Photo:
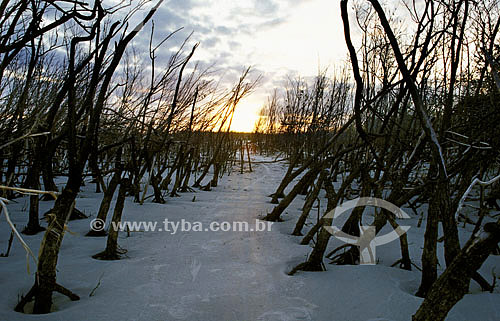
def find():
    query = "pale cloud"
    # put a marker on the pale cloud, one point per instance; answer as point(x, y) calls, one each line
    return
point(277, 37)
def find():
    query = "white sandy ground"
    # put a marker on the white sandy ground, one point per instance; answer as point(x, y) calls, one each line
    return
point(223, 275)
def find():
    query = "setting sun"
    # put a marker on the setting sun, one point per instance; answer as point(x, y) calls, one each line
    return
point(268, 43)
point(246, 115)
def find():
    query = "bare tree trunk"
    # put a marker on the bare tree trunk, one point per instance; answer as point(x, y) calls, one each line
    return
point(242, 157)
point(33, 226)
point(155, 182)
point(309, 204)
point(215, 179)
point(332, 203)
point(315, 260)
point(187, 174)
point(111, 252)
point(452, 285)
point(108, 195)
point(351, 226)
point(275, 215)
point(429, 254)
point(47, 171)
point(248, 156)
point(106, 203)
point(405, 261)
point(49, 250)
point(77, 157)
point(280, 191)
point(179, 173)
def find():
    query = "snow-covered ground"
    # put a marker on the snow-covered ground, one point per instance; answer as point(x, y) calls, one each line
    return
point(222, 275)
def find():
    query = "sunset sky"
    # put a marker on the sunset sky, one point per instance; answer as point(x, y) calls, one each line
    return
point(276, 37)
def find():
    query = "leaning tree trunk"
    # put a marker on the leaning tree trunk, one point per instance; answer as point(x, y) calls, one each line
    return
point(212, 161)
point(108, 195)
point(111, 252)
point(280, 191)
point(187, 172)
point(175, 166)
point(106, 203)
point(315, 259)
point(309, 204)
point(49, 249)
point(275, 215)
point(351, 226)
point(429, 254)
point(405, 261)
point(179, 173)
point(452, 285)
point(333, 200)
